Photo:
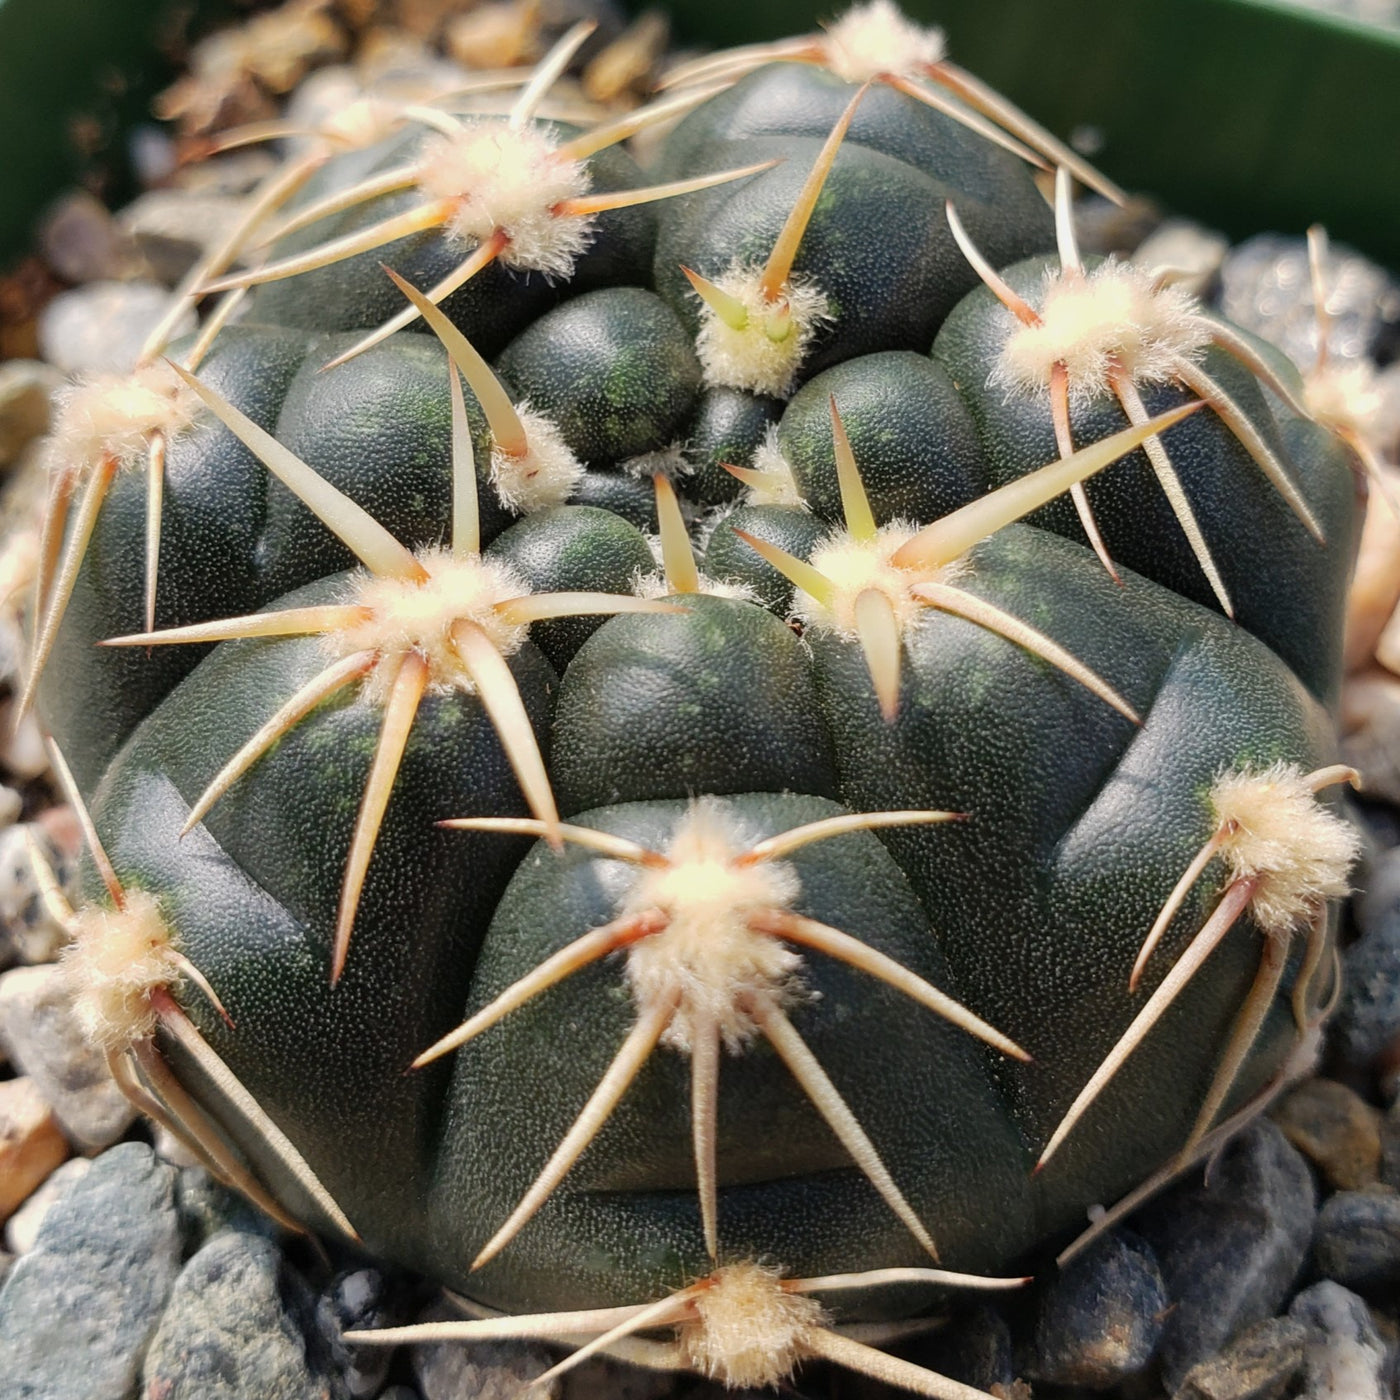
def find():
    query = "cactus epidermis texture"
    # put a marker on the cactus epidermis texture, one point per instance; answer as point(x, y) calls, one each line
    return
point(622, 780)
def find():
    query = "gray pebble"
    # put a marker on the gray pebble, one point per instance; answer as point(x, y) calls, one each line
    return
point(360, 1299)
point(1357, 1242)
point(172, 227)
point(207, 1208)
point(1267, 289)
point(22, 1228)
point(100, 328)
point(1345, 1356)
point(1261, 1364)
point(1230, 1248)
point(77, 1311)
point(26, 386)
point(1336, 1129)
point(1390, 1148)
point(34, 937)
point(487, 1371)
point(1193, 252)
point(42, 1034)
point(235, 1328)
point(600, 1378)
point(1100, 1320)
point(81, 242)
point(1368, 1018)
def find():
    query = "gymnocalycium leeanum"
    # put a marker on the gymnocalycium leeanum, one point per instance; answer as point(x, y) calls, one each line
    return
point(700, 754)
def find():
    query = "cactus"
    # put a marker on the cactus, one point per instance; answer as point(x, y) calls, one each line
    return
point(729, 822)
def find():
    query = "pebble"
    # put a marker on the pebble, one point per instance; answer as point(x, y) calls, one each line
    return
point(171, 228)
point(207, 1208)
point(26, 387)
point(36, 937)
point(41, 1032)
point(11, 805)
point(1390, 1148)
point(22, 754)
point(1265, 287)
point(1230, 1248)
point(1100, 1320)
point(491, 1371)
point(22, 1228)
point(1336, 1129)
point(100, 328)
point(1344, 1356)
point(235, 1327)
point(1261, 1364)
point(359, 1299)
point(78, 1310)
point(1368, 1018)
point(603, 1379)
point(31, 1142)
point(81, 242)
point(1357, 1242)
point(1375, 584)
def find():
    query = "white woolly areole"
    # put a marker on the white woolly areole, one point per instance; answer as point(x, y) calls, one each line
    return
point(115, 415)
point(869, 40)
point(546, 474)
point(404, 615)
point(117, 959)
point(748, 1330)
point(511, 180)
point(670, 462)
point(854, 566)
point(1344, 396)
point(707, 955)
point(1090, 322)
point(749, 357)
point(1298, 850)
point(779, 485)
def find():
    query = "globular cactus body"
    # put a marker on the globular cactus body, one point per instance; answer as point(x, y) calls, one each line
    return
point(802, 894)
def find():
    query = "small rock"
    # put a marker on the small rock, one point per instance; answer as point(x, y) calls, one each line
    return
point(1390, 1148)
point(81, 242)
point(1368, 1018)
point(1266, 287)
point(1336, 1129)
point(1099, 1321)
point(491, 1371)
point(22, 1228)
point(1374, 592)
point(11, 805)
point(361, 1299)
point(100, 328)
point(171, 228)
point(236, 1327)
point(1261, 1364)
point(78, 1310)
point(7, 1262)
point(1344, 1355)
point(399, 1392)
point(31, 1142)
point(1357, 1242)
point(207, 1208)
point(1230, 1248)
point(23, 755)
point(42, 1034)
point(25, 389)
point(36, 937)
point(234, 172)
point(170, 1148)
point(1192, 252)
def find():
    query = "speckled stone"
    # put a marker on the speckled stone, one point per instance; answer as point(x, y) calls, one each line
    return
point(491, 1371)
point(239, 1324)
point(1357, 1242)
point(1231, 1248)
point(1336, 1129)
point(1368, 1018)
point(1344, 1356)
point(1260, 1364)
point(78, 1311)
point(1100, 1320)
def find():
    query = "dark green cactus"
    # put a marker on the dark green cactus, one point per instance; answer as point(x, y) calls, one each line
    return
point(656, 815)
